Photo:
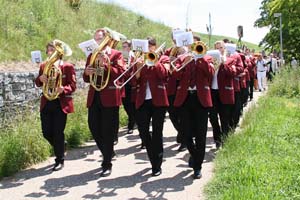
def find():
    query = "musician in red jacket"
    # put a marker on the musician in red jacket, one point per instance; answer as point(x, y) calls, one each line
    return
point(151, 103)
point(172, 84)
point(54, 113)
point(103, 105)
point(194, 100)
point(222, 93)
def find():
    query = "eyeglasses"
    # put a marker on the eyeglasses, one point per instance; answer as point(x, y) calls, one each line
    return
point(124, 46)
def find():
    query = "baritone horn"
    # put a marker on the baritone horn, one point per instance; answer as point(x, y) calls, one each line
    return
point(52, 70)
point(151, 59)
point(198, 50)
point(99, 67)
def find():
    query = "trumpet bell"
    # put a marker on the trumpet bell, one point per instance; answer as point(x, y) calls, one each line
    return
point(199, 48)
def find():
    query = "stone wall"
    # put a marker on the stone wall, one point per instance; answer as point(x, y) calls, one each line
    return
point(18, 90)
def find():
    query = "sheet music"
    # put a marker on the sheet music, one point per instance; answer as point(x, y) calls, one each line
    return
point(140, 45)
point(88, 46)
point(36, 56)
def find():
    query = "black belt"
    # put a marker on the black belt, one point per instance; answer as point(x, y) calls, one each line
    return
point(192, 91)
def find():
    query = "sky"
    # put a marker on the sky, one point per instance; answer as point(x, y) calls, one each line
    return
point(194, 14)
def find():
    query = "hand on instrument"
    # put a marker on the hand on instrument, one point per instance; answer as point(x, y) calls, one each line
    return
point(60, 89)
point(43, 78)
point(89, 70)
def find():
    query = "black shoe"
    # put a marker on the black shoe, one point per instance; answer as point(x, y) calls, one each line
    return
point(191, 162)
point(113, 154)
point(181, 148)
point(218, 145)
point(130, 131)
point(143, 146)
point(156, 172)
point(105, 172)
point(197, 174)
point(116, 142)
point(58, 166)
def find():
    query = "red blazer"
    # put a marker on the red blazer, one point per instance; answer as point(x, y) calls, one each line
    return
point(239, 69)
point(157, 78)
point(69, 84)
point(252, 67)
point(204, 75)
point(225, 77)
point(110, 96)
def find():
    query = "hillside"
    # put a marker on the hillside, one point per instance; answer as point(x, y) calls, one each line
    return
point(29, 25)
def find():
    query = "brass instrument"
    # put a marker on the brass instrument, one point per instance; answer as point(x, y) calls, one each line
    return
point(174, 51)
point(52, 70)
point(151, 59)
point(100, 70)
point(216, 56)
point(199, 49)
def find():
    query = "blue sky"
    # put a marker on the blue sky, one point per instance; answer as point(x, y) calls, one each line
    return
point(225, 15)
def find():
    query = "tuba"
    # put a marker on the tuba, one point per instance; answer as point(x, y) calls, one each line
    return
point(52, 70)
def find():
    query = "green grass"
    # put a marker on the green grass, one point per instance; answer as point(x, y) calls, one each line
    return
point(29, 25)
point(263, 160)
point(22, 143)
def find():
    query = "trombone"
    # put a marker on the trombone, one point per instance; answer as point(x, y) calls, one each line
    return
point(199, 49)
point(151, 59)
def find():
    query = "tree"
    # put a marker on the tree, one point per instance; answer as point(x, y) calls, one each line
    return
point(290, 10)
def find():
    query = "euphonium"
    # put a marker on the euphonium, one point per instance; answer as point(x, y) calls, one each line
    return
point(100, 70)
point(52, 70)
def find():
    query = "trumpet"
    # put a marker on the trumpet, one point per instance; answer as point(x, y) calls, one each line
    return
point(151, 59)
point(199, 49)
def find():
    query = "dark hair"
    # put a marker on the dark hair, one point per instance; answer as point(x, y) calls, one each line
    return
point(225, 40)
point(151, 41)
point(196, 37)
point(50, 44)
point(128, 42)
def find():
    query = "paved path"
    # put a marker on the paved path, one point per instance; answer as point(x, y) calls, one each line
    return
point(130, 179)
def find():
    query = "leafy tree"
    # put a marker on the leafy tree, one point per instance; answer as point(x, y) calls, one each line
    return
point(290, 10)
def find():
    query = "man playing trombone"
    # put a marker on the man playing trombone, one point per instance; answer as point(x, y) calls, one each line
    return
point(151, 103)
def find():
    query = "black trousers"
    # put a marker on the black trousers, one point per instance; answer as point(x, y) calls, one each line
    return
point(129, 107)
point(153, 141)
point(213, 116)
point(194, 119)
point(225, 112)
point(237, 110)
point(53, 121)
point(103, 122)
point(251, 86)
point(174, 117)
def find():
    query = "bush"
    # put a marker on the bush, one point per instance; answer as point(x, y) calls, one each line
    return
point(286, 83)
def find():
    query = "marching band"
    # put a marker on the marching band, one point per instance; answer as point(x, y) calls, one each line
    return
point(189, 82)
